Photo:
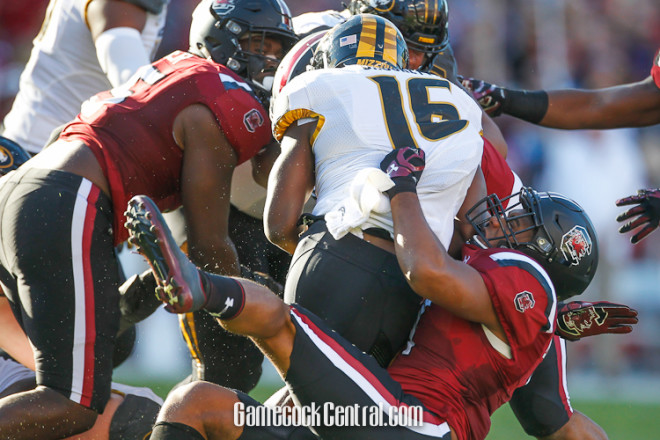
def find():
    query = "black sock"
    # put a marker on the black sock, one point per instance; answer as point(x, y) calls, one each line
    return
point(226, 296)
point(174, 431)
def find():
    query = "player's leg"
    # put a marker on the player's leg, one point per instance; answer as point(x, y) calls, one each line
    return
point(318, 364)
point(242, 306)
point(219, 356)
point(356, 287)
point(60, 228)
point(543, 407)
point(202, 410)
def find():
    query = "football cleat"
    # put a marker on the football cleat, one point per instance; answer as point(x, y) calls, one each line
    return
point(179, 284)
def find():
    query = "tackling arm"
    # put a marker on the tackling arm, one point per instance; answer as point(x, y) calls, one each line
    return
point(208, 164)
point(290, 184)
point(627, 105)
point(429, 269)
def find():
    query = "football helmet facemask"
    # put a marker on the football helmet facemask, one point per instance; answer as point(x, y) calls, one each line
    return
point(564, 240)
point(423, 23)
point(218, 27)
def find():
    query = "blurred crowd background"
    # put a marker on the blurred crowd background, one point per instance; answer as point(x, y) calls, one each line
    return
point(527, 44)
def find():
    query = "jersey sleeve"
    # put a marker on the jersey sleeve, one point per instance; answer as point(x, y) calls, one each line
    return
point(523, 297)
point(291, 105)
point(242, 117)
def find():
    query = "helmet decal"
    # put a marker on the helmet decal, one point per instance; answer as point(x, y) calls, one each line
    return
point(349, 39)
point(576, 244)
point(524, 301)
point(6, 158)
point(223, 7)
point(382, 5)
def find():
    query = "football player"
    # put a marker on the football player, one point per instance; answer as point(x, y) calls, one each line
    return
point(83, 48)
point(507, 277)
point(335, 126)
point(175, 132)
point(626, 105)
point(543, 407)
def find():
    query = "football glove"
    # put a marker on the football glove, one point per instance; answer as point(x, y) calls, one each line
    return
point(264, 279)
point(489, 96)
point(578, 319)
point(647, 212)
point(137, 299)
point(404, 166)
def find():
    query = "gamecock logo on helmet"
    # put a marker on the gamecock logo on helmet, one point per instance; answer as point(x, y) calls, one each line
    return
point(524, 301)
point(253, 120)
point(223, 7)
point(576, 244)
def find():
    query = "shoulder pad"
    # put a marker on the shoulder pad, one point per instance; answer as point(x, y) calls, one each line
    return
point(153, 6)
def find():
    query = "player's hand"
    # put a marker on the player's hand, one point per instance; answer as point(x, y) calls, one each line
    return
point(578, 319)
point(263, 279)
point(647, 213)
point(489, 96)
point(404, 166)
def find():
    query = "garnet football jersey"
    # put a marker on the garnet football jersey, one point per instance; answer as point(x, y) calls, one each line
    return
point(130, 128)
point(459, 369)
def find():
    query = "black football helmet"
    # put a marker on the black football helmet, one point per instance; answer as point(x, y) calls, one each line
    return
point(423, 23)
point(563, 242)
point(12, 155)
point(365, 39)
point(218, 26)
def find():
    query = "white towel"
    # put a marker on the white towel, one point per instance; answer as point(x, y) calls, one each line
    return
point(365, 196)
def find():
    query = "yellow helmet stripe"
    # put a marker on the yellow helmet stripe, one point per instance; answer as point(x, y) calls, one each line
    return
point(389, 49)
point(367, 45)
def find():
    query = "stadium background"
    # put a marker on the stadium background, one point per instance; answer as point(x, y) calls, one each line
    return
point(519, 43)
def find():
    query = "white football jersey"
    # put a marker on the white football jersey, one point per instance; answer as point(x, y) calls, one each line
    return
point(303, 24)
point(62, 72)
point(362, 113)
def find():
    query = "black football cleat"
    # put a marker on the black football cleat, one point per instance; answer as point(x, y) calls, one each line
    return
point(179, 283)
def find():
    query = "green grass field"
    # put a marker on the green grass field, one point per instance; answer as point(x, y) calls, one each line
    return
point(621, 421)
point(624, 421)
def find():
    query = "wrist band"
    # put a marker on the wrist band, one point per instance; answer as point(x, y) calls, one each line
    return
point(526, 105)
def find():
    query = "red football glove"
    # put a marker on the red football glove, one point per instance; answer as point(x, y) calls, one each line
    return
point(404, 166)
point(647, 210)
point(489, 96)
point(578, 319)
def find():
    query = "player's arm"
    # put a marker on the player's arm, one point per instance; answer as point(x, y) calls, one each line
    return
point(263, 162)
point(429, 269)
point(115, 26)
point(627, 105)
point(290, 185)
point(208, 164)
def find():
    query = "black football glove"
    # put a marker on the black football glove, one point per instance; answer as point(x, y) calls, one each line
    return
point(647, 210)
point(264, 279)
point(137, 299)
point(489, 96)
point(404, 166)
point(578, 319)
